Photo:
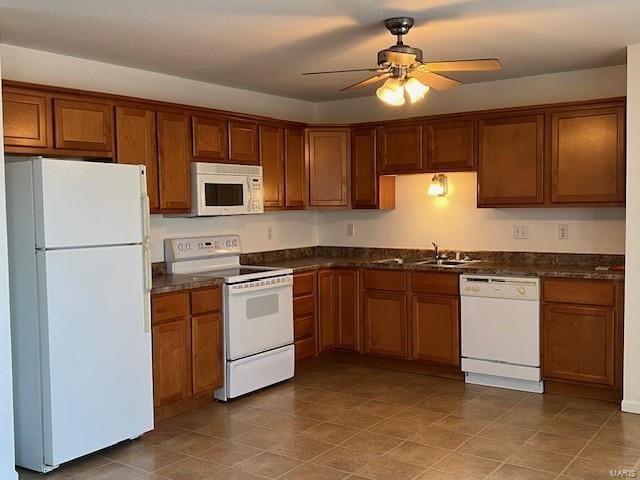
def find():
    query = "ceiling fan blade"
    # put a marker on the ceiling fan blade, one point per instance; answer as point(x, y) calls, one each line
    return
point(399, 58)
point(434, 80)
point(368, 81)
point(345, 71)
point(476, 65)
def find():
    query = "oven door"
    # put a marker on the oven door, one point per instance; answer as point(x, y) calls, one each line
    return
point(221, 194)
point(258, 316)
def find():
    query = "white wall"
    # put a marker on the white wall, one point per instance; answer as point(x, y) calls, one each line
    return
point(7, 457)
point(455, 223)
point(36, 66)
point(288, 230)
point(631, 395)
point(515, 92)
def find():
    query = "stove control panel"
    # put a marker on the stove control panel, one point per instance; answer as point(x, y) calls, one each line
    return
point(177, 249)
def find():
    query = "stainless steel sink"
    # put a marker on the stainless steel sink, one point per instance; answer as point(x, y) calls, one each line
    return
point(445, 263)
point(392, 261)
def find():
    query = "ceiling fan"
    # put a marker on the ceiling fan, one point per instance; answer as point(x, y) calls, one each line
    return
point(404, 72)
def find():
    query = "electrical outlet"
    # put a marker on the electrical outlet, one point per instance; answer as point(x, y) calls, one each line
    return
point(563, 231)
point(269, 232)
point(521, 232)
point(351, 230)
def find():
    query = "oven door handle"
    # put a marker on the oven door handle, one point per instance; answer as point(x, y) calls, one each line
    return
point(244, 288)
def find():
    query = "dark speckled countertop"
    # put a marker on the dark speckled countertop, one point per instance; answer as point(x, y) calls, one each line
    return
point(525, 264)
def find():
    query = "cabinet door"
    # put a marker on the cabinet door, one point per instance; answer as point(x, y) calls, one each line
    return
point(210, 139)
point(328, 167)
point(401, 149)
point(578, 343)
point(174, 161)
point(385, 323)
point(435, 328)
point(136, 144)
point(347, 328)
point(171, 361)
point(83, 125)
point(243, 142)
point(26, 120)
point(364, 178)
point(272, 159)
point(449, 146)
point(587, 156)
point(295, 171)
point(207, 352)
point(510, 168)
point(326, 310)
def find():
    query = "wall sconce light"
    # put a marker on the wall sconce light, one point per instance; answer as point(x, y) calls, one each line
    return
point(438, 186)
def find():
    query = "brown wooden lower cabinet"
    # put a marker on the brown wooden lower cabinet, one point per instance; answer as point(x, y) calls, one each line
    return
point(304, 314)
point(385, 323)
point(171, 361)
point(436, 328)
point(187, 340)
point(326, 310)
point(582, 342)
point(347, 318)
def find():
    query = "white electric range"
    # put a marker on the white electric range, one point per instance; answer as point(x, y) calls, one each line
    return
point(258, 311)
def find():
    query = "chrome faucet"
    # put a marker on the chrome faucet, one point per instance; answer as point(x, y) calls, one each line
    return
point(436, 251)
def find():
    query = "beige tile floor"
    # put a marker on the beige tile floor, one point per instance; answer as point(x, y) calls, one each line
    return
point(343, 421)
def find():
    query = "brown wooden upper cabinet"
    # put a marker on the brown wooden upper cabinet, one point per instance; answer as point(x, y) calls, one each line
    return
point(368, 189)
point(26, 118)
point(136, 143)
point(83, 124)
point(400, 148)
point(588, 156)
point(295, 170)
point(511, 161)
point(328, 160)
point(272, 159)
point(448, 145)
point(210, 139)
point(174, 156)
point(243, 142)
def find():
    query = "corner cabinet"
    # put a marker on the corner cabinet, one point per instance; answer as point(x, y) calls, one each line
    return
point(511, 161)
point(328, 159)
point(588, 156)
point(187, 347)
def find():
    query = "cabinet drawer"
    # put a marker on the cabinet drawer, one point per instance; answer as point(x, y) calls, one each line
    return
point(165, 307)
point(304, 306)
point(305, 348)
point(437, 283)
point(304, 284)
point(384, 280)
point(303, 327)
point(205, 301)
point(583, 292)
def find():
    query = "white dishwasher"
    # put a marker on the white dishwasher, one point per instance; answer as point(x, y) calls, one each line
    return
point(500, 319)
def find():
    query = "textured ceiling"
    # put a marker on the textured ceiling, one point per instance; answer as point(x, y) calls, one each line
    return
point(265, 45)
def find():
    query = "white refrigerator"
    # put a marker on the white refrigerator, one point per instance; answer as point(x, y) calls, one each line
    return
point(80, 315)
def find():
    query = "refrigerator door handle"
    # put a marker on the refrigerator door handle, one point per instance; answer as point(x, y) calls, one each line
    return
point(147, 288)
point(146, 219)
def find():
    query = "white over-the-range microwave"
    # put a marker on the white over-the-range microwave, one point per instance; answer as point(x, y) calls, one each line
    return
point(225, 189)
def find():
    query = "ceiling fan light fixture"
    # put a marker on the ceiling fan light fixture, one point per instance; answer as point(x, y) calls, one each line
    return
point(415, 89)
point(392, 92)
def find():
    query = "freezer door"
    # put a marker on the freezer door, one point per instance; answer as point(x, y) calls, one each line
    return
point(97, 378)
point(87, 203)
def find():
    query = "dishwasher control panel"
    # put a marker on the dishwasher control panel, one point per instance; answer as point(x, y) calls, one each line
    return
point(524, 288)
